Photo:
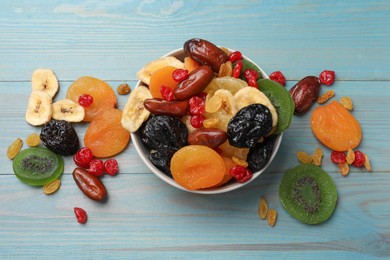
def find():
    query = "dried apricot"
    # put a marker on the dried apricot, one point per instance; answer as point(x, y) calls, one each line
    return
point(197, 167)
point(105, 135)
point(101, 92)
point(335, 127)
point(190, 64)
point(162, 77)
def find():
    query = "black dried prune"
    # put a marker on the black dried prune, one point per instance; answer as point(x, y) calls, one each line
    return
point(248, 125)
point(260, 154)
point(60, 137)
point(161, 161)
point(164, 133)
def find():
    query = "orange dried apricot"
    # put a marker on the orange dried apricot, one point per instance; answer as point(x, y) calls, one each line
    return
point(102, 93)
point(197, 167)
point(105, 135)
point(162, 77)
point(335, 127)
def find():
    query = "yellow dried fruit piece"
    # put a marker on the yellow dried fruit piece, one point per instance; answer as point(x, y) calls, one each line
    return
point(239, 161)
point(325, 97)
point(51, 187)
point(346, 102)
point(367, 163)
point(225, 50)
point(317, 156)
point(343, 168)
point(226, 69)
point(123, 89)
point(350, 156)
point(33, 140)
point(263, 208)
point(271, 217)
point(14, 148)
point(304, 158)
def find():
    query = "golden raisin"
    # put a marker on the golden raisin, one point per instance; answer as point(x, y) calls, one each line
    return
point(14, 148)
point(271, 217)
point(346, 102)
point(325, 97)
point(304, 158)
point(343, 168)
point(367, 163)
point(239, 161)
point(33, 140)
point(317, 156)
point(263, 208)
point(350, 156)
point(226, 69)
point(51, 187)
point(123, 89)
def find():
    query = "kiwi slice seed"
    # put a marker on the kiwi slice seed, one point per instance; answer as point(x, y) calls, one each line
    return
point(308, 193)
point(38, 166)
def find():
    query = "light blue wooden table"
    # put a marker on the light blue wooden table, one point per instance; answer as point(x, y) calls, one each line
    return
point(146, 218)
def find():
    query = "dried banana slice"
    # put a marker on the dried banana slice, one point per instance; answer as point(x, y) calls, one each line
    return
point(134, 113)
point(45, 80)
point(144, 73)
point(250, 95)
point(68, 110)
point(39, 108)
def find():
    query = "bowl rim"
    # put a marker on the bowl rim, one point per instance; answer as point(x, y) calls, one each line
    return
point(143, 151)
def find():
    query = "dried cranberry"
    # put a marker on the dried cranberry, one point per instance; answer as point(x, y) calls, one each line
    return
point(235, 56)
point(240, 173)
point(197, 121)
point(278, 77)
point(253, 83)
point(167, 93)
point(327, 77)
point(360, 159)
point(111, 167)
point(96, 167)
point(179, 75)
point(85, 100)
point(251, 74)
point(338, 157)
point(81, 215)
point(83, 157)
point(196, 105)
point(237, 69)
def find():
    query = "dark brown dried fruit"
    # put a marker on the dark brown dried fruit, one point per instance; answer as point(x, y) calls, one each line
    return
point(305, 93)
point(89, 184)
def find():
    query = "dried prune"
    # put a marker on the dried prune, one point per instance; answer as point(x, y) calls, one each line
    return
point(60, 137)
point(248, 125)
point(260, 154)
point(161, 161)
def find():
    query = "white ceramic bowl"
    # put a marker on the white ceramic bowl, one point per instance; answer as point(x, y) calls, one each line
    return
point(143, 151)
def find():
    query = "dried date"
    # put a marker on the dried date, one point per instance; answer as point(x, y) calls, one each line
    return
point(89, 184)
point(305, 93)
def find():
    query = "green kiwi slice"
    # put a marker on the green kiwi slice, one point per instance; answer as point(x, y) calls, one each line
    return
point(308, 193)
point(282, 101)
point(37, 166)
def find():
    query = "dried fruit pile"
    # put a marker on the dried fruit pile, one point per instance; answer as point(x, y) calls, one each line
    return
point(209, 117)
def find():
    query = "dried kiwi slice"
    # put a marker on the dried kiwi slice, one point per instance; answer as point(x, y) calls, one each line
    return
point(38, 166)
point(308, 194)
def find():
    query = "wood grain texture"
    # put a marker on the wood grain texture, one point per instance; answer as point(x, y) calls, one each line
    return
point(146, 218)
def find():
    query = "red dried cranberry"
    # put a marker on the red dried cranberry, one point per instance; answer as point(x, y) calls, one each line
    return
point(96, 167)
point(253, 83)
point(197, 121)
point(278, 77)
point(179, 75)
point(338, 157)
point(237, 69)
point(240, 173)
point(360, 159)
point(251, 74)
point(196, 105)
point(167, 93)
point(327, 77)
point(81, 215)
point(111, 167)
point(83, 157)
point(235, 56)
point(85, 100)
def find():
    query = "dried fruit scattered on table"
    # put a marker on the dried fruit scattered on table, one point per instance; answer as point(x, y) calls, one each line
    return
point(343, 168)
point(60, 137)
point(304, 157)
point(89, 184)
point(101, 92)
point(68, 110)
point(335, 127)
point(123, 89)
point(39, 108)
point(263, 208)
point(327, 77)
point(14, 148)
point(278, 77)
point(359, 159)
point(305, 93)
point(259, 155)
point(33, 140)
point(111, 167)
point(271, 217)
point(45, 80)
point(83, 157)
point(367, 163)
point(346, 102)
point(197, 167)
point(308, 194)
point(52, 187)
point(338, 157)
point(325, 97)
point(350, 156)
point(105, 135)
point(37, 166)
point(96, 167)
point(145, 72)
point(81, 215)
point(317, 156)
